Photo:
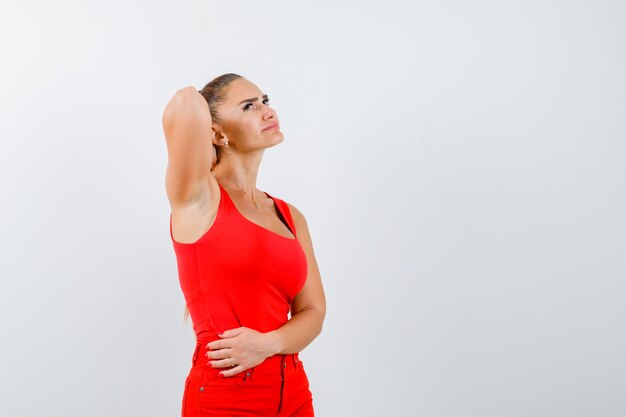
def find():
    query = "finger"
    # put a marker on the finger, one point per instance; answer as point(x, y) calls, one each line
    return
point(232, 332)
point(219, 354)
point(216, 344)
point(219, 344)
point(231, 372)
point(221, 363)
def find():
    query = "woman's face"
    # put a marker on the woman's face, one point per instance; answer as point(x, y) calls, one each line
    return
point(248, 123)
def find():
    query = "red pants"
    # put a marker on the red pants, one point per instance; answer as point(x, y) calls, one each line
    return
point(277, 387)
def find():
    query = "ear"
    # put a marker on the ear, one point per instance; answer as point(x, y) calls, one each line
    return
point(217, 135)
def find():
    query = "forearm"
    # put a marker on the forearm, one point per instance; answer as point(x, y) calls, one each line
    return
point(297, 333)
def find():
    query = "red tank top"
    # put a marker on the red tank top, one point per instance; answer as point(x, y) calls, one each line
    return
point(240, 273)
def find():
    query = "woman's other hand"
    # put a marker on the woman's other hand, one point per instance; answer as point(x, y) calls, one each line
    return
point(247, 348)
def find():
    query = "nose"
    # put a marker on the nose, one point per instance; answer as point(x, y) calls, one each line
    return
point(268, 113)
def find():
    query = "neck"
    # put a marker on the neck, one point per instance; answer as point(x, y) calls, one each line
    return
point(238, 173)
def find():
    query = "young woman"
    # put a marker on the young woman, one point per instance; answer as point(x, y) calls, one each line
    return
point(245, 258)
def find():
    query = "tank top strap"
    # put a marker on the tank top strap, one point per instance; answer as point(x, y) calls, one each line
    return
point(284, 209)
point(224, 197)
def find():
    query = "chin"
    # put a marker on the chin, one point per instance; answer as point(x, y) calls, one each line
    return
point(278, 139)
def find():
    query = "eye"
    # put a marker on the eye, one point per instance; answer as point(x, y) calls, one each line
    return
point(266, 101)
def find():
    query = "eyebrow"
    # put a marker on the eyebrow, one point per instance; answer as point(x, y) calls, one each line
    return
point(252, 100)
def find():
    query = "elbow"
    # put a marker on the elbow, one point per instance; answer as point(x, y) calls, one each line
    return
point(186, 98)
point(322, 320)
point(321, 315)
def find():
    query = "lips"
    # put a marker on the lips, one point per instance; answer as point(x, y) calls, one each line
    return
point(272, 126)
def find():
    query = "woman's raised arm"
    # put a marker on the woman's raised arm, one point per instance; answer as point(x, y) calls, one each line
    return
point(188, 133)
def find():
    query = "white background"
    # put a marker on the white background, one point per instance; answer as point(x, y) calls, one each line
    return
point(460, 165)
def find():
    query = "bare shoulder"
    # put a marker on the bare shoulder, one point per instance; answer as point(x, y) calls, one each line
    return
point(295, 212)
point(302, 231)
point(299, 220)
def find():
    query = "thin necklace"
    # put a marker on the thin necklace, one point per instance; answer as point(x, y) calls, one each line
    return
point(253, 199)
